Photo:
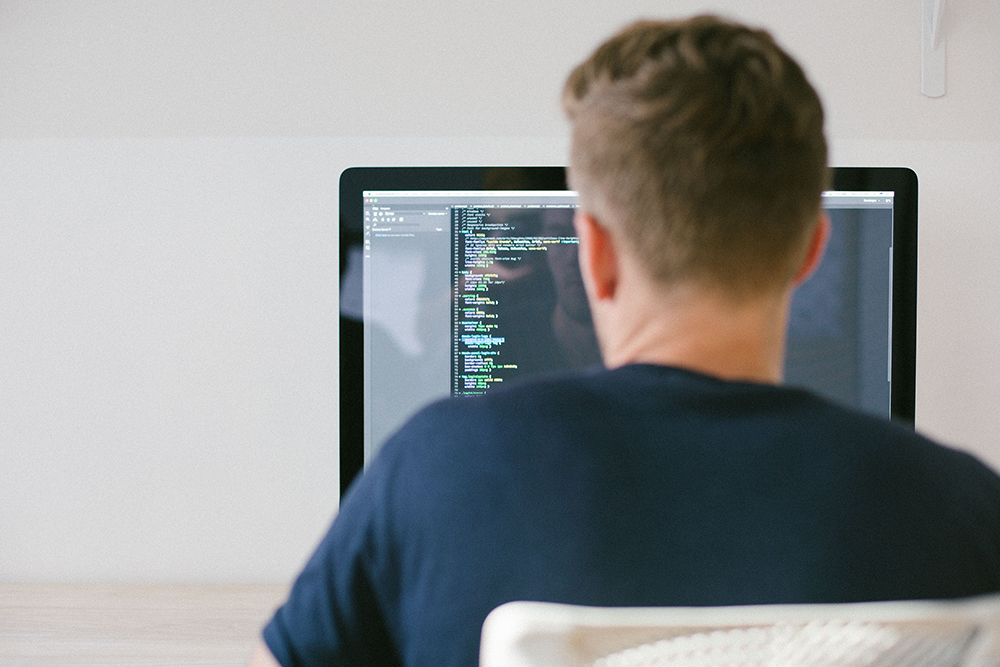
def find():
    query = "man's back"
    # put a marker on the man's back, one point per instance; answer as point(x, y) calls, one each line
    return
point(645, 485)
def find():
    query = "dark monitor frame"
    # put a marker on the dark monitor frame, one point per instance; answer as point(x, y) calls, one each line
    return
point(354, 181)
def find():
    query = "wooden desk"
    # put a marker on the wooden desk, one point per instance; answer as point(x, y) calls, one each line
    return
point(138, 625)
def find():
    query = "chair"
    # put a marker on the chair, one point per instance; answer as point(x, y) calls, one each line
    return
point(960, 633)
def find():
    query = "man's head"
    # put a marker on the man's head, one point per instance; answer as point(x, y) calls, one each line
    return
point(699, 145)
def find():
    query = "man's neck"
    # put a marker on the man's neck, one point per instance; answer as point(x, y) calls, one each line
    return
point(699, 330)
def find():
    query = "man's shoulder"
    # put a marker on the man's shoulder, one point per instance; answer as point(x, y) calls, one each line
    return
point(640, 391)
point(660, 401)
point(547, 394)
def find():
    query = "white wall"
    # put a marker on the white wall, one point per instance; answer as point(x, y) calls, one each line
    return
point(168, 394)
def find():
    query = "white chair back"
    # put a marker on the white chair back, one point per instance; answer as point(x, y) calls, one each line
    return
point(960, 633)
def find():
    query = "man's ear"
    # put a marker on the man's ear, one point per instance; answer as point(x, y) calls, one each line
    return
point(817, 246)
point(598, 257)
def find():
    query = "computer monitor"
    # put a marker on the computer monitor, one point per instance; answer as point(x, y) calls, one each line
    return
point(456, 280)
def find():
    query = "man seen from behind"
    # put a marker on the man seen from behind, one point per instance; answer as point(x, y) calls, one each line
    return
point(683, 473)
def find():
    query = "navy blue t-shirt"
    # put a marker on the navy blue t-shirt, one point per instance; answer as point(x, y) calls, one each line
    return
point(641, 486)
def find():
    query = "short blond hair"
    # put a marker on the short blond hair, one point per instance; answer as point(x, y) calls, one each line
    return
point(700, 142)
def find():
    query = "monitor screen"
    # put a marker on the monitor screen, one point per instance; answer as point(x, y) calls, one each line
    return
point(455, 281)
